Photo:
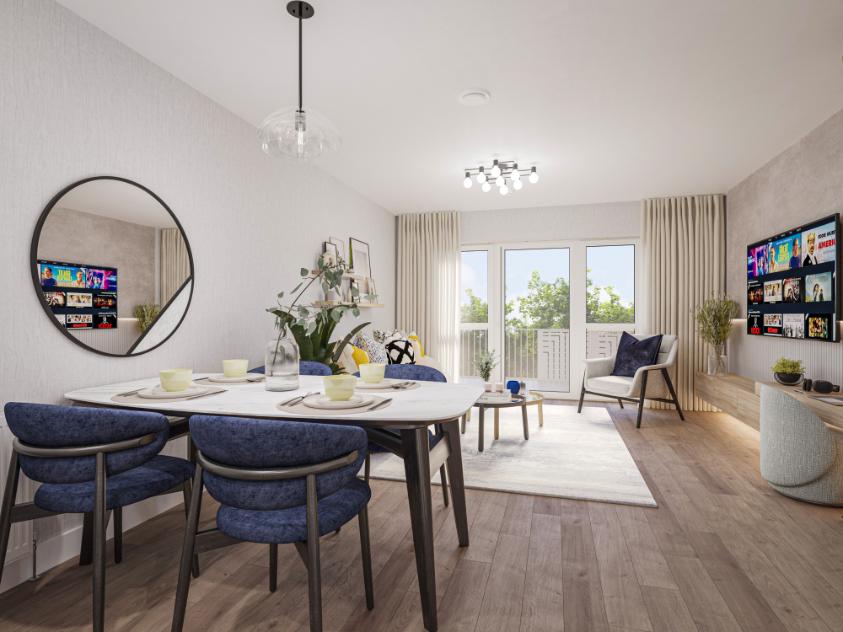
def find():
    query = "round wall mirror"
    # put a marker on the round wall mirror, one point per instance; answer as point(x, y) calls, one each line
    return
point(112, 266)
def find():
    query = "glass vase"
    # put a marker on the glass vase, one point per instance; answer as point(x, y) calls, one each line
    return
point(281, 364)
point(716, 360)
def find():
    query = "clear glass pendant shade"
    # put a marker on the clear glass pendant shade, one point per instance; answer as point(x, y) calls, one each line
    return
point(299, 134)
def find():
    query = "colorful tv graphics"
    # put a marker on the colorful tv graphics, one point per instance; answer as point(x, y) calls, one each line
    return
point(80, 296)
point(795, 274)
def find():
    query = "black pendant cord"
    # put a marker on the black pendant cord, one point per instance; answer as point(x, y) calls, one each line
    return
point(300, 66)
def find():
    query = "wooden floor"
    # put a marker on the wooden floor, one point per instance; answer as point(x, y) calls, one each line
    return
point(722, 552)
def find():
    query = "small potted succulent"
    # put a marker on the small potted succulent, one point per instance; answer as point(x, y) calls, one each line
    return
point(788, 372)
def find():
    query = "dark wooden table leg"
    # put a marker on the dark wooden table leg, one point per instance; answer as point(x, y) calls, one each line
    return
point(480, 428)
point(455, 479)
point(86, 550)
point(417, 470)
point(524, 421)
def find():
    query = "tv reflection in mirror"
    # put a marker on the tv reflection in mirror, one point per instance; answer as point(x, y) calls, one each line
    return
point(90, 231)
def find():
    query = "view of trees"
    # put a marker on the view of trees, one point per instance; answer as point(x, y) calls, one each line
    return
point(547, 306)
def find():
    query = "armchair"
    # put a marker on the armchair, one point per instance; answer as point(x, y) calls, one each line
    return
point(598, 379)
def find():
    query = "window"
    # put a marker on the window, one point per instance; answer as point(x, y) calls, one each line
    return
point(474, 309)
point(610, 284)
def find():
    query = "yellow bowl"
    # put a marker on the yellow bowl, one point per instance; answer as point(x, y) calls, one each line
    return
point(373, 372)
point(339, 388)
point(234, 368)
point(174, 380)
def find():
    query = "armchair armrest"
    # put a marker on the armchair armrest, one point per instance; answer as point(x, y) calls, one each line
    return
point(599, 367)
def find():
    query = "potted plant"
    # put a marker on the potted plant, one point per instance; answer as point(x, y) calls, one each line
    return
point(312, 326)
point(485, 363)
point(146, 315)
point(714, 323)
point(788, 372)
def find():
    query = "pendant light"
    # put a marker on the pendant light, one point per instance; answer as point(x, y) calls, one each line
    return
point(292, 131)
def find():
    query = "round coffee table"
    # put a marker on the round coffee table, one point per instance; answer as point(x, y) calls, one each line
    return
point(496, 404)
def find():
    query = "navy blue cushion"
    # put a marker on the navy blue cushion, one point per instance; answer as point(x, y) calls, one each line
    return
point(283, 526)
point(413, 372)
point(265, 443)
point(154, 477)
point(306, 367)
point(49, 426)
point(634, 353)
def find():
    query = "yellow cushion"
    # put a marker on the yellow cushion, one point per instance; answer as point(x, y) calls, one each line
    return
point(416, 343)
point(360, 356)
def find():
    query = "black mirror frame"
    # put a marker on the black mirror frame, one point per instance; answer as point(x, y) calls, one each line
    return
point(33, 261)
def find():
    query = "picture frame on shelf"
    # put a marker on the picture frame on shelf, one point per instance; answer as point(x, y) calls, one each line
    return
point(330, 249)
point(360, 262)
point(339, 244)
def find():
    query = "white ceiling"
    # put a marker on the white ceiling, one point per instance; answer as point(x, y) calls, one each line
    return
point(117, 200)
point(611, 99)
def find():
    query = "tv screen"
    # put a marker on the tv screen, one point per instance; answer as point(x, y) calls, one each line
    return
point(80, 296)
point(792, 286)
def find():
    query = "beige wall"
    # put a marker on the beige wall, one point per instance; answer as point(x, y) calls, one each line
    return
point(77, 237)
point(803, 183)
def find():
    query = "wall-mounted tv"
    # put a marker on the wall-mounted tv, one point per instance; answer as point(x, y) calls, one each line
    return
point(80, 296)
point(792, 285)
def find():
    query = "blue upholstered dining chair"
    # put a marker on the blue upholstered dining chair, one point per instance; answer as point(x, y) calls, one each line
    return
point(90, 461)
point(277, 482)
point(306, 367)
point(422, 374)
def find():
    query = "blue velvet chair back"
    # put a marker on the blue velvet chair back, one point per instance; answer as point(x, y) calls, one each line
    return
point(49, 426)
point(262, 444)
point(414, 372)
point(306, 367)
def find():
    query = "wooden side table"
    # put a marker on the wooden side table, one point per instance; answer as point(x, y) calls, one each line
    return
point(531, 399)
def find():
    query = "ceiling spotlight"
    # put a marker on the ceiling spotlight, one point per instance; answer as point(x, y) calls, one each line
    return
point(534, 177)
point(515, 175)
point(517, 184)
point(504, 189)
point(486, 187)
point(481, 175)
point(496, 169)
point(467, 182)
point(500, 181)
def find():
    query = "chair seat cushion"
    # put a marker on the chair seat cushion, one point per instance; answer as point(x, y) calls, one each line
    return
point(155, 476)
point(434, 439)
point(283, 526)
point(610, 384)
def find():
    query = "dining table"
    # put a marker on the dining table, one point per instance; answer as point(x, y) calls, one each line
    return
point(401, 427)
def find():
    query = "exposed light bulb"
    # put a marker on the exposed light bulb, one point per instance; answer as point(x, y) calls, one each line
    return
point(534, 177)
point(481, 176)
point(496, 169)
point(517, 185)
point(467, 182)
point(500, 181)
point(504, 190)
point(486, 187)
point(515, 175)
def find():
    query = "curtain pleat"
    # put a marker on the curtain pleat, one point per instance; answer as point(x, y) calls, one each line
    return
point(684, 247)
point(428, 283)
point(175, 263)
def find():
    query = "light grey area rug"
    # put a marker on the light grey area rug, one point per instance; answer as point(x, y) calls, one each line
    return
point(579, 456)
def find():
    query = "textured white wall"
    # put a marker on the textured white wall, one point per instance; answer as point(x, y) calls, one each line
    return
point(803, 183)
point(552, 223)
point(76, 103)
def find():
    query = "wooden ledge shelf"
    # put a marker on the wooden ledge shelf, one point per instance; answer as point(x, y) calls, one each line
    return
point(320, 304)
point(740, 397)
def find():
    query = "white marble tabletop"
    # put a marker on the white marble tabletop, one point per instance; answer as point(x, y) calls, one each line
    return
point(430, 403)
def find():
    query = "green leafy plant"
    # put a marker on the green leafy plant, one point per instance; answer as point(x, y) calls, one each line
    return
point(312, 326)
point(486, 361)
point(786, 365)
point(146, 315)
point(714, 319)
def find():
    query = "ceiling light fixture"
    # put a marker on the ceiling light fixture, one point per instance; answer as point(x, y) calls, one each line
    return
point(291, 131)
point(474, 97)
point(506, 175)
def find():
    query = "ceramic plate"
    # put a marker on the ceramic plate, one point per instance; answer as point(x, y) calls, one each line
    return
point(385, 384)
point(159, 393)
point(221, 379)
point(322, 401)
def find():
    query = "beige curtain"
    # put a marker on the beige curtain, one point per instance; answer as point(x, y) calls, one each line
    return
point(428, 283)
point(684, 246)
point(175, 263)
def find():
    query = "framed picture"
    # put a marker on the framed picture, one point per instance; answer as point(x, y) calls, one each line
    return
point(339, 244)
point(331, 249)
point(360, 262)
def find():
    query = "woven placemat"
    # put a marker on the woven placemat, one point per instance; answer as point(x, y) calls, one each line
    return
point(255, 377)
point(386, 389)
point(306, 411)
point(136, 399)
